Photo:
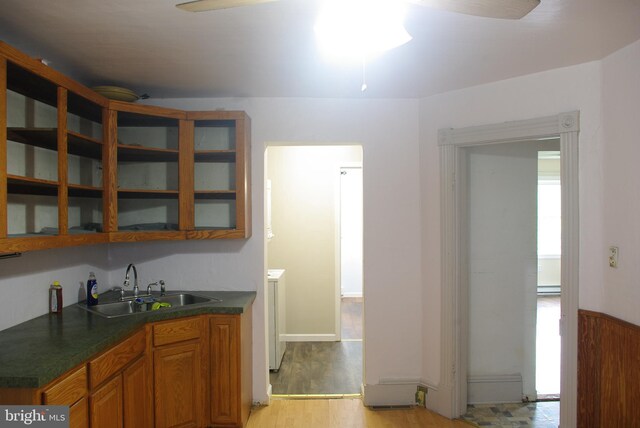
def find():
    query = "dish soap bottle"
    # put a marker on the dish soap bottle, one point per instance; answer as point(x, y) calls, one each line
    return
point(92, 290)
point(55, 298)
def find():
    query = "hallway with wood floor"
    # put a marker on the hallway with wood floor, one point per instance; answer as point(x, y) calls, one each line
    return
point(318, 368)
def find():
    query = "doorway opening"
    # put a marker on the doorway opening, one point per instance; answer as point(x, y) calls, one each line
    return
point(351, 252)
point(453, 388)
point(314, 240)
point(549, 276)
point(513, 273)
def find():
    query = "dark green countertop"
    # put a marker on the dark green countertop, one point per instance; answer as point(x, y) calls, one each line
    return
point(36, 352)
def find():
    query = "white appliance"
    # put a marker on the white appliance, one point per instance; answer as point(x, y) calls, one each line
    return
point(277, 317)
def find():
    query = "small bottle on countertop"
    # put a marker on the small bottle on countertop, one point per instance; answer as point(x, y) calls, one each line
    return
point(55, 298)
point(92, 290)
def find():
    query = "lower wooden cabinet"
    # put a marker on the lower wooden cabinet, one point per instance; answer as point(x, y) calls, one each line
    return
point(71, 390)
point(180, 367)
point(120, 393)
point(106, 404)
point(79, 414)
point(178, 386)
point(224, 370)
point(188, 372)
point(124, 401)
point(137, 394)
point(231, 379)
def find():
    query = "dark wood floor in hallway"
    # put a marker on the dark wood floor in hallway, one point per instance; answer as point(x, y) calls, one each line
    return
point(324, 367)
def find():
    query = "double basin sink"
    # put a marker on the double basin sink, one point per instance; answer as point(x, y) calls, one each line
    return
point(147, 303)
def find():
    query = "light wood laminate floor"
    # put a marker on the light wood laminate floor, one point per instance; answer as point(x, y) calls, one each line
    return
point(344, 413)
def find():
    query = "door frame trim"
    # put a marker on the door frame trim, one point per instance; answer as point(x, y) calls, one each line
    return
point(452, 389)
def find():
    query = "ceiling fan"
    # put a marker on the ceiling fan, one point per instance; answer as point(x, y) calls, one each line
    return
point(504, 9)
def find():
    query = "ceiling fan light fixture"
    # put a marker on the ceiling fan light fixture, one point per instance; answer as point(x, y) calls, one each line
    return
point(353, 30)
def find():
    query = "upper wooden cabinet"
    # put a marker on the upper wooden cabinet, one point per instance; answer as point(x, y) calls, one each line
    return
point(217, 182)
point(144, 143)
point(77, 168)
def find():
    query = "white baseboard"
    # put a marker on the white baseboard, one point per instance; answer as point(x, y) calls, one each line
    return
point(390, 394)
point(494, 389)
point(269, 394)
point(438, 400)
point(352, 294)
point(310, 337)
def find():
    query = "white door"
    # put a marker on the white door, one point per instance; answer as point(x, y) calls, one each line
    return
point(351, 231)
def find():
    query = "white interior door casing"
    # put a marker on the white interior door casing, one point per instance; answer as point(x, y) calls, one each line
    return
point(451, 392)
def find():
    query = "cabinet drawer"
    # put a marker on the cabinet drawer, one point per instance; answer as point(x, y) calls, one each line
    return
point(177, 331)
point(103, 367)
point(69, 390)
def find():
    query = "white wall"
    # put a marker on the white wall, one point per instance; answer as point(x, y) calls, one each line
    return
point(305, 186)
point(620, 292)
point(536, 95)
point(24, 281)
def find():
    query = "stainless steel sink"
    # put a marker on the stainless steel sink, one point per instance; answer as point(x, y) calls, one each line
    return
point(131, 307)
point(185, 299)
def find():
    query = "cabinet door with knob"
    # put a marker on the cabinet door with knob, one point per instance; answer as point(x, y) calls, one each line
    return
point(231, 369)
point(106, 405)
point(137, 393)
point(120, 385)
point(179, 373)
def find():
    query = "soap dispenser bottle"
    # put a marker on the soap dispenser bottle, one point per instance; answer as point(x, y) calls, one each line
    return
point(92, 290)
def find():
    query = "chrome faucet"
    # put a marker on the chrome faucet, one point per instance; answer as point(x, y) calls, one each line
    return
point(121, 290)
point(135, 279)
point(162, 288)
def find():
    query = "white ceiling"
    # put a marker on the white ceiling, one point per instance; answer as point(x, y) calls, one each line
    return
point(269, 50)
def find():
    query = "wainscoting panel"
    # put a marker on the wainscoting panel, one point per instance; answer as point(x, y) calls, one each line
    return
point(608, 372)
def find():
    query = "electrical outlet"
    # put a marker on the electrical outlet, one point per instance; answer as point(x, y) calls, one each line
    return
point(613, 257)
point(421, 396)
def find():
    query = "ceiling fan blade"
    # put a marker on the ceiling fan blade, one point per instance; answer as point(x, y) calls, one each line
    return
point(205, 5)
point(503, 9)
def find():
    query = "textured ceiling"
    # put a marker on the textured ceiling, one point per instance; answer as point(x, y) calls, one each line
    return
point(269, 50)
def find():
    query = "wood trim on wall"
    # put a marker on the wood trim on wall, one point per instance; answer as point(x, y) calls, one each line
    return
point(63, 181)
point(186, 176)
point(3, 148)
point(109, 172)
point(608, 371)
